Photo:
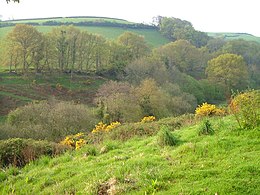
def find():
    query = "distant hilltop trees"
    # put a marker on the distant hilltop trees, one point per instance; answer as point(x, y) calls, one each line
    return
point(97, 21)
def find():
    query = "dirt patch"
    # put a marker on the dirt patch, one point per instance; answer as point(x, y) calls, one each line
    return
point(108, 187)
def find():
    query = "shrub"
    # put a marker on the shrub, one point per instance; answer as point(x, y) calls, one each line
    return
point(130, 130)
point(148, 119)
point(50, 120)
point(165, 137)
point(18, 152)
point(101, 127)
point(208, 110)
point(246, 108)
point(75, 141)
point(206, 128)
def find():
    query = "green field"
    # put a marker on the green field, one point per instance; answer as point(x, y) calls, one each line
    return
point(152, 36)
point(74, 20)
point(227, 162)
point(232, 36)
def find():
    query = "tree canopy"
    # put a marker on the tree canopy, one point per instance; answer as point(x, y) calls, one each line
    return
point(228, 70)
point(175, 29)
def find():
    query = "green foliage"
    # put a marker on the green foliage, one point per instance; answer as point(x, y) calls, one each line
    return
point(206, 128)
point(176, 29)
point(228, 70)
point(135, 44)
point(189, 85)
point(246, 108)
point(234, 36)
point(139, 166)
point(165, 137)
point(186, 57)
point(145, 68)
point(211, 91)
point(130, 130)
point(18, 152)
point(89, 150)
point(153, 187)
point(49, 120)
point(250, 52)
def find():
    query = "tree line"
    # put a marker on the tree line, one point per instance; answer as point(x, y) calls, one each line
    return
point(203, 71)
point(101, 23)
point(67, 48)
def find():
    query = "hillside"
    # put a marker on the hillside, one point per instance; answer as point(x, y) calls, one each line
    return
point(16, 90)
point(232, 36)
point(224, 163)
point(110, 28)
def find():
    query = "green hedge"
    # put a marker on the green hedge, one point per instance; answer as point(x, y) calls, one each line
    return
point(18, 152)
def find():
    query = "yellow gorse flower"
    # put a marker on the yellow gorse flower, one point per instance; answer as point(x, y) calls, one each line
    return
point(208, 110)
point(80, 143)
point(101, 127)
point(148, 119)
point(74, 141)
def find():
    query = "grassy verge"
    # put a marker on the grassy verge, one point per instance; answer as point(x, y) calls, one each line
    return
point(224, 163)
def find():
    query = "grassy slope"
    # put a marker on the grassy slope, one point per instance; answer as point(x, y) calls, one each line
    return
point(18, 90)
point(225, 163)
point(231, 36)
point(153, 37)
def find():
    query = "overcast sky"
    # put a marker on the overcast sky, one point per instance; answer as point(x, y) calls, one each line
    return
point(205, 15)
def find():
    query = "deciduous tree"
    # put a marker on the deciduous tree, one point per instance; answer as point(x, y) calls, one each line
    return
point(29, 41)
point(135, 44)
point(228, 70)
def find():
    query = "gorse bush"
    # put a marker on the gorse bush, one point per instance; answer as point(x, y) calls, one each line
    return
point(75, 141)
point(101, 127)
point(208, 110)
point(148, 119)
point(50, 120)
point(18, 152)
point(246, 108)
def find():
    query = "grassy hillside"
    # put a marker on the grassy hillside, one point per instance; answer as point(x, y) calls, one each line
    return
point(231, 36)
point(227, 162)
point(16, 90)
point(152, 36)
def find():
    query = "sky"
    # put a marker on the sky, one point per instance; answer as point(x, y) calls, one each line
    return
point(206, 15)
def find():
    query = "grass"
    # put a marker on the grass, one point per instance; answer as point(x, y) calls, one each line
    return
point(227, 162)
point(19, 90)
point(4, 93)
point(232, 36)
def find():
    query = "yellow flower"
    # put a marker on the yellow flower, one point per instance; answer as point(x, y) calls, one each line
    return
point(148, 119)
point(80, 143)
point(101, 127)
point(208, 110)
